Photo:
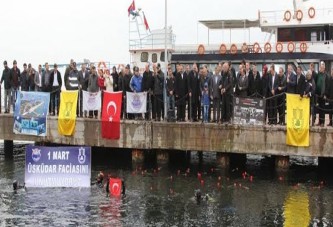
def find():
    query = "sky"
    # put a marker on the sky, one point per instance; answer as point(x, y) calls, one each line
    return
point(40, 31)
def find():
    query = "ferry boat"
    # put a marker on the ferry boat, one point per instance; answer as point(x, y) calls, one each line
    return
point(296, 36)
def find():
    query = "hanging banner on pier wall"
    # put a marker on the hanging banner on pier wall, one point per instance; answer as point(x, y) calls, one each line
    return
point(30, 113)
point(67, 113)
point(248, 111)
point(136, 102)
point(57, 166)
point(91, 101)
point(298, 121)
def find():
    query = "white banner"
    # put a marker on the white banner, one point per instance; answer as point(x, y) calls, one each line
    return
point(136, 102)
point(91, 101)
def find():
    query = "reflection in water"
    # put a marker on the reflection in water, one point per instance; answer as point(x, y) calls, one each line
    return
point(164, 195)
point(296, 209)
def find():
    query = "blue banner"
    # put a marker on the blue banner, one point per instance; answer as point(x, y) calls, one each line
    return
point(57, 166)
point(31, 109)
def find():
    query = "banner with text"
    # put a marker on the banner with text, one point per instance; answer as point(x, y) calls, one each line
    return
point(57, 166)
point(30, 113)
point(91, 101)
point(248, 111)
point(136, 102)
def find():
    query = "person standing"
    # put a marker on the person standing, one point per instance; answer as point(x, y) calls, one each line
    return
point(31, 75)
point(46, 83)
point(329, 96)
point(115, 78)
point(272, 103)
point(291, 80)
point(38, 79)
point(281, 97)
point(72, 83)
point(56, 82)
point(215, 94)
point(15, 82)
point(320, 80)
point(300, 81)
point(250, 79)
point(205, 102)
point(170, 83)
point(108, 82)
point(242, 84)
point(226, 86)
point(83, 86)
point(257, 92)
point(25, 78)
point(309, 91)
point(181, 93)
point(158, 81)
point(194, 92)
point(147, 84)
point(93, 88)
point(7, 85)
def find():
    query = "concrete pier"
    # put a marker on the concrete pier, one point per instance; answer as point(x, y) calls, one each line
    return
point(186, 136)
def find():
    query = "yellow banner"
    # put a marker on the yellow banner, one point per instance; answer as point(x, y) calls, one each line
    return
point(67, 112)
point(298, 116)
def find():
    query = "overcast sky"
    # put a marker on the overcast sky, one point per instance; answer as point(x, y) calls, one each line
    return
point(37, 31)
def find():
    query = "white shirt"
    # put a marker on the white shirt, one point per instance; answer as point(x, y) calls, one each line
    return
point(273, 78)
point(55, 79)
point(40, 79)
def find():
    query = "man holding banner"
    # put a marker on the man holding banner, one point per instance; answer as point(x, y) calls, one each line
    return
point(136, 87)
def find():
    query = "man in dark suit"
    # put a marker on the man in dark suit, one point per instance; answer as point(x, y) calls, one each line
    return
point(272, 86)
point(291, 80)
point(147, 86)
point(215, 94)
point(181, 93)
point(56, 83)
point(300, 81)
point(83, 85)
point(281, 99)
point(226, 86)
point(193, 92)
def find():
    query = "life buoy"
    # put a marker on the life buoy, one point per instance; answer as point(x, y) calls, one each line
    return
point(223, 49)
point(287, 15)
point(201, 49)
point(233, 49)
point(256, 47)
point(279, 47)
point(103, 64)
point(311, 12)
point(303, 47)
point(299, 15)
point(245, 48)
point(268, 47)
point(291, 47)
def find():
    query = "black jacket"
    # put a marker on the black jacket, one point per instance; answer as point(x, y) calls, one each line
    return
point(58, 78)
point(181, 87)
point(147, 81)
point(300, 86)
point(6, 78)
point(24, 81)
point(227, 83)
point(84, 79)
point(193, 84)
point(15, 77)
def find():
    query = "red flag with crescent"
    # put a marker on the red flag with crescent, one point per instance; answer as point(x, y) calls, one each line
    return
point(111, 115)
point(115, 186)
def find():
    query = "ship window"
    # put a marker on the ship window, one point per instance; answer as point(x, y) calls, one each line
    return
point(144, 56)
point(313, 36)
point(154, 57)
point(162, 58)
point(300, 34)
point(284, 35)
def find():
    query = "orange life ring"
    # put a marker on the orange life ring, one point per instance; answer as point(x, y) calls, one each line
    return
point(201, 49)
point(256, 47)
point(299, 15)
point(233, 49)
point(101, 63)
point(287, 15)
point(268, 47)
point(223, 49)
point(245, 48)
point(291, 47)
point(279, 47)
point(312, 12)
point(303, 47)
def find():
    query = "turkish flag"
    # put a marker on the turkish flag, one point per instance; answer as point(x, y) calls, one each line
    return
point(111, 114)
point(131, 8)
point(115, 186)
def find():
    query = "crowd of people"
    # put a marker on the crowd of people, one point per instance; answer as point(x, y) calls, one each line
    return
point(192, 93)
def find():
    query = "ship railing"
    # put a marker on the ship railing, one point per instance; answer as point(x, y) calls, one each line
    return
point(275, 17)
point(152, 41)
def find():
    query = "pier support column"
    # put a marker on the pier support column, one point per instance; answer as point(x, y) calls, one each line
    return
point(281, 162)
point(162, 157)
point(138, 156)
point(8, 148)
point(223, 160)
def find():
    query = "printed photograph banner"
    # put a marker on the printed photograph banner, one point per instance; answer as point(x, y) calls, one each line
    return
point(91, 101)
point(136, 102)
point(57, 166)
point(31, 109)
point(248, 111)
point(67, 112)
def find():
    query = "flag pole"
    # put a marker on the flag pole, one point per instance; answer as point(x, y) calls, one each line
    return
point(165, 59)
